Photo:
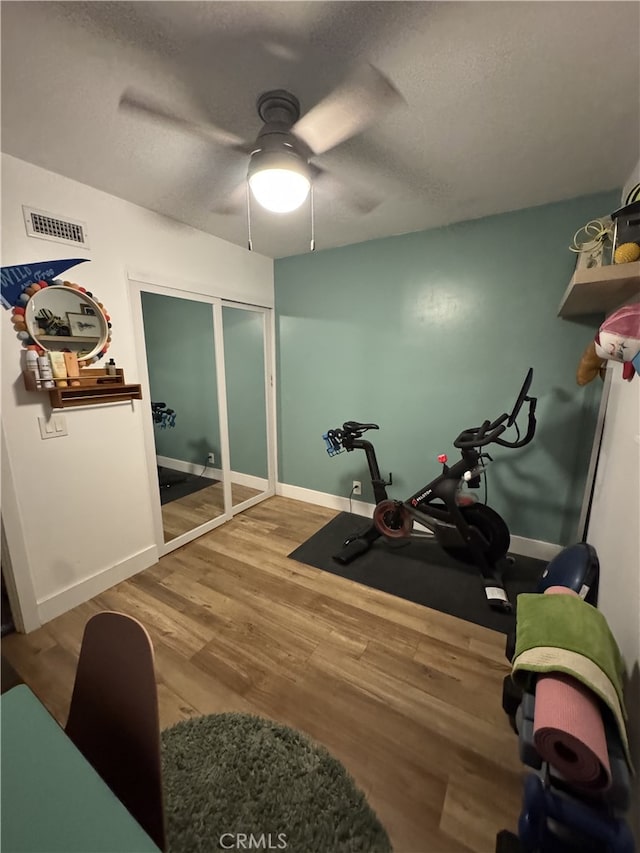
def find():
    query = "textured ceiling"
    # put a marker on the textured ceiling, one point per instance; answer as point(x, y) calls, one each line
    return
point(508, 104)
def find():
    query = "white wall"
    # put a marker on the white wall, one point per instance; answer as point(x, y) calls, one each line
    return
point(82, 501)
point(614, 530)
point(614, 526)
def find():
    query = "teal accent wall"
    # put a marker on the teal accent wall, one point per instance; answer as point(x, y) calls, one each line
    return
point(246, 403)
point(179, 340)
point(431, 332)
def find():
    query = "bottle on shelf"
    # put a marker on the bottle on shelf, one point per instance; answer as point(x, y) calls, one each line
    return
point(58, 368)
point(111, 368)
point(73, 368)
point(32, 365)
point(46, 375)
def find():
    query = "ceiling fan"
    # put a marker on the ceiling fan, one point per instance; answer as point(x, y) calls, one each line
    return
point(280, 167)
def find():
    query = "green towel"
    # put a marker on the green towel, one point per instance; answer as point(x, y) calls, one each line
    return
point(567, 622)
point(562, 633)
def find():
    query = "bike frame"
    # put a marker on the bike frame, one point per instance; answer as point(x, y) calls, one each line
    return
point(437, 505)
point(379, 485)
point(445, 487)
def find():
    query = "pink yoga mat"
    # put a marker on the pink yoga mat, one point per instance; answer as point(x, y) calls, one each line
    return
point(568, 731)
point(560, 590)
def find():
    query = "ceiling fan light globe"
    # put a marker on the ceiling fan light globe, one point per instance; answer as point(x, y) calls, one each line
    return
point(279, 190)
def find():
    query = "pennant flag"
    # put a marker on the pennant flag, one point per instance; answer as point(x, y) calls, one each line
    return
point(14, 279)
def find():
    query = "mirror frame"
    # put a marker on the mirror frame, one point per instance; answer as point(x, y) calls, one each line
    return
point(30, 342)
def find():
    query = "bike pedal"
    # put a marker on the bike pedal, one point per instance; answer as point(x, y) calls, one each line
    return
point(350, 551)
point(497, 599)
point(500, 606)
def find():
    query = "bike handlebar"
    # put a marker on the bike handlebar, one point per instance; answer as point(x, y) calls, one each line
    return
point(490, 431)
point(478, 436)
point(531, 428)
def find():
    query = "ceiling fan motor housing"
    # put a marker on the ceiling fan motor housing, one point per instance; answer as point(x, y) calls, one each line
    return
point(278, 105)
point(276, 147)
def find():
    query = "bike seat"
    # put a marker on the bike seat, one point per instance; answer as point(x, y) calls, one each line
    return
point(355, 426)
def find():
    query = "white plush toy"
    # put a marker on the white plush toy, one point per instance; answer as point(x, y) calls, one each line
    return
point(619, 339)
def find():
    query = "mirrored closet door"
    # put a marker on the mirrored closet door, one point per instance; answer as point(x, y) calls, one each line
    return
point(247, 380)
point(186, 412)
point(210, 423)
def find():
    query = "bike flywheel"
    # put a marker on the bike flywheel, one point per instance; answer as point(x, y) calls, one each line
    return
point(392, 519)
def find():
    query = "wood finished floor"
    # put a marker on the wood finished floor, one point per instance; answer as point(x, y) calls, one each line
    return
point(407, 698)
point(195, 509)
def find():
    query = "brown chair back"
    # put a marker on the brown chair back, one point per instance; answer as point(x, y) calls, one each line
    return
point(113, 719)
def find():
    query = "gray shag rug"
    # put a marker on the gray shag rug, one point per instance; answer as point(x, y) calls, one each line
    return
point(236, 781)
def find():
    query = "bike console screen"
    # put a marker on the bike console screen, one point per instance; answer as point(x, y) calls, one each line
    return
point(522, 396)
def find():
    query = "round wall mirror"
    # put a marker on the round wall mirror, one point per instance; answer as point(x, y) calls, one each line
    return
point(59, 317)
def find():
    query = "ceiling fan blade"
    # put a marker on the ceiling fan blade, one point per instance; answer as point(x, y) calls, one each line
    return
point(234, 202)
point(356, 198)
point(150, 106)
point(349, 109)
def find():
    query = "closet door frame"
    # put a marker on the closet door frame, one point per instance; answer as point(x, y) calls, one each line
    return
point(141, 284)
point(137, 289)
point(269, 396)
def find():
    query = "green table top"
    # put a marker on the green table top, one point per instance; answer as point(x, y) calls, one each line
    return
point(53, 801)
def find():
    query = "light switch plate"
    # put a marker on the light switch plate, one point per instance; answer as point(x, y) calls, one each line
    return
point(47, 429)
point(60, 425)
point(53, 427)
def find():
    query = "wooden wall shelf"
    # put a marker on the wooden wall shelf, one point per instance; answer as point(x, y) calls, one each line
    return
point(600, 290)
point(93, 386)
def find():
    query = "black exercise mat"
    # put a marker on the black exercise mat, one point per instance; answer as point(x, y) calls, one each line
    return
point(175, 484)
point(418, 571)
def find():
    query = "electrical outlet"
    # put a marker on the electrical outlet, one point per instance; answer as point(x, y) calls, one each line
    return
point(356, 487)
point(211, 457)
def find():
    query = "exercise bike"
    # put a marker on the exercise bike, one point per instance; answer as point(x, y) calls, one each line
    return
point(467, 530)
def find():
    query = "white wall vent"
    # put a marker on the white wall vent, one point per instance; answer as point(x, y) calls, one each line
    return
point(47, 226)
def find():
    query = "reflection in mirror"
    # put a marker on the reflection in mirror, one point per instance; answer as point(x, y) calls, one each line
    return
point(64, 318)
point(244, 335)
point(179, 342)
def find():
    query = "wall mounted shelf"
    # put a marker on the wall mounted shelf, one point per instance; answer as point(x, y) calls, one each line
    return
point(93, 386)
point(600, 290)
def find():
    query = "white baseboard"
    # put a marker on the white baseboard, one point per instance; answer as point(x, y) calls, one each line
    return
point(237, 477)
point(519, 544)
point(240, 479)
point(536, 548)
point(70, 597)
point(189, 467)
point(324, 499)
